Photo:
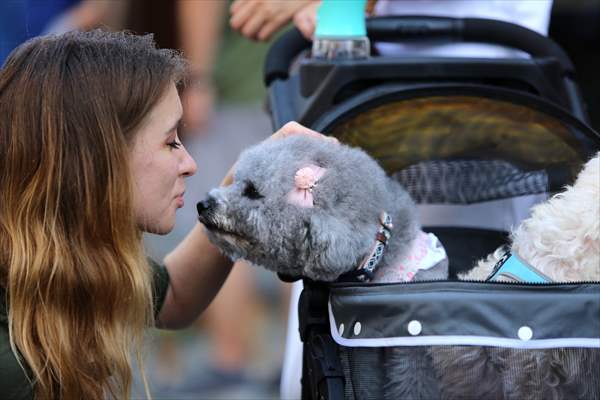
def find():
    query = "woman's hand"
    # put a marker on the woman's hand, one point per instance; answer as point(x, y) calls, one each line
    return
point(294, 128)
point(259, 19)
point(291, 128)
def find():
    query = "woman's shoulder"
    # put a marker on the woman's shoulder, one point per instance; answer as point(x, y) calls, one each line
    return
point(14, 383)
point(160, 284)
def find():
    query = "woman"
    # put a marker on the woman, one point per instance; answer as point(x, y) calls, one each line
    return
point(90, 159)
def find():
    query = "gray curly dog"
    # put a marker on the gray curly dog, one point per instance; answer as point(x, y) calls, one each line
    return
point(305, 207)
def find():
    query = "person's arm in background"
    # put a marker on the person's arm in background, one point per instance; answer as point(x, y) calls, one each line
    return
point(306, 19)
point(197, 269)
point(89, 14)
point(260, 19)
point(199, 24)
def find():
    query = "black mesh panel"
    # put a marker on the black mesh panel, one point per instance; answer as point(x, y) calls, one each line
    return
point(470, 372)
point(469, 181)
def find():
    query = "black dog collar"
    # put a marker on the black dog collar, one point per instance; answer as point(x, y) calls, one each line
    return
point(364, 272)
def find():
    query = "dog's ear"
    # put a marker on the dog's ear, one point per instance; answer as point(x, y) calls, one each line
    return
point(333, 247)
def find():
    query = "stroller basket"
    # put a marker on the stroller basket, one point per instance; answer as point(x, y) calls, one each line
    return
point(384, 312)
point(426, 331)
point(459, 133)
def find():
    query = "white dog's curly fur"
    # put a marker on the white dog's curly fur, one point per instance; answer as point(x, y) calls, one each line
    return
point(562, 237)
point(562, 240)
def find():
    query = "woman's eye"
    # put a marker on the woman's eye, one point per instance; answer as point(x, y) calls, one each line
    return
point(174, 144)
point(251, 192)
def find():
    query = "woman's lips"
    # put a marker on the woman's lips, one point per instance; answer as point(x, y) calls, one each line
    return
point(179, 201)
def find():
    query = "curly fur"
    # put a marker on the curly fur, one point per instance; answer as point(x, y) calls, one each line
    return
point(562, 240)
point(562, 236)
point(251, 219)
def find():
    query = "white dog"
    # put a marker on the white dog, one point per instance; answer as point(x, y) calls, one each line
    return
point(560, 242)
point(561, 239)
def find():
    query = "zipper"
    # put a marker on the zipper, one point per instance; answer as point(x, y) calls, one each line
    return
point(461, 282)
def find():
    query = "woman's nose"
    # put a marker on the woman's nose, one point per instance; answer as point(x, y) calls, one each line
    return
point(188, 165)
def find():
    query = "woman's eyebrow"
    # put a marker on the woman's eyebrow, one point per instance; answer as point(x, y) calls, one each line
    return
point(176, 125)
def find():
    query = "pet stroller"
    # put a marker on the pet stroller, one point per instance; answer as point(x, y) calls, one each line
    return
point(458, 133)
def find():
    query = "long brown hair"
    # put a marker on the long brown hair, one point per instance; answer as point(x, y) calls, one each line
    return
point(78, 286)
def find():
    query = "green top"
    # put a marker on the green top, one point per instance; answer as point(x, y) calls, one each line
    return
point(13, 380)
point(238, 69)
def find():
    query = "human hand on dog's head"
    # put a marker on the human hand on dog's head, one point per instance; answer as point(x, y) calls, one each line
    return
point(289, 129)
point(294, 128)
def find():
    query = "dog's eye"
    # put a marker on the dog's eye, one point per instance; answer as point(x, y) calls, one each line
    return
point(251, 192)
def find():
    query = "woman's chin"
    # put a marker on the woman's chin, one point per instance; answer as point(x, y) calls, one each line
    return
point(159, 228)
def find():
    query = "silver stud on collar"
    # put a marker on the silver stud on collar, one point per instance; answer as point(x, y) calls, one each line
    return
point(386, 220)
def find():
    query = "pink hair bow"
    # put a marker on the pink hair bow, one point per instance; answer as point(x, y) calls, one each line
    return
point(305, 180)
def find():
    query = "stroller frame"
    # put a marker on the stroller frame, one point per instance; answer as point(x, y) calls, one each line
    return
point(322, 92)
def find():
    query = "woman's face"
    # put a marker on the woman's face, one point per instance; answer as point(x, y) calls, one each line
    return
point(159, 164)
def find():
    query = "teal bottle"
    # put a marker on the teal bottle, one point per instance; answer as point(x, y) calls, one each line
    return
point(341, 32)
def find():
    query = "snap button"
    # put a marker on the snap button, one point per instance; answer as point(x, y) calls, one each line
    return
point(414, 327)
point(357, 328)
point(341, 329)
point(525, 333)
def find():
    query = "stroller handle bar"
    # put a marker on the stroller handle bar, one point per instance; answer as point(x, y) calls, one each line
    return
point(421, 28)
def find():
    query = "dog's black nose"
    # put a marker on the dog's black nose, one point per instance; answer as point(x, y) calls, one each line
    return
point(202, 206)
point(206, 205)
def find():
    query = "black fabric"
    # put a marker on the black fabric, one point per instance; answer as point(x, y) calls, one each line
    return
point(160, 285)
point(375, 373)
point(363, 367)
point(14, 384)
point(465, 246)
point(471, 181)
point(468, 309)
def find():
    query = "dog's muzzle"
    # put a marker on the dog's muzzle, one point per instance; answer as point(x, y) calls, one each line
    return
point(206, 205)
point(206, 209)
